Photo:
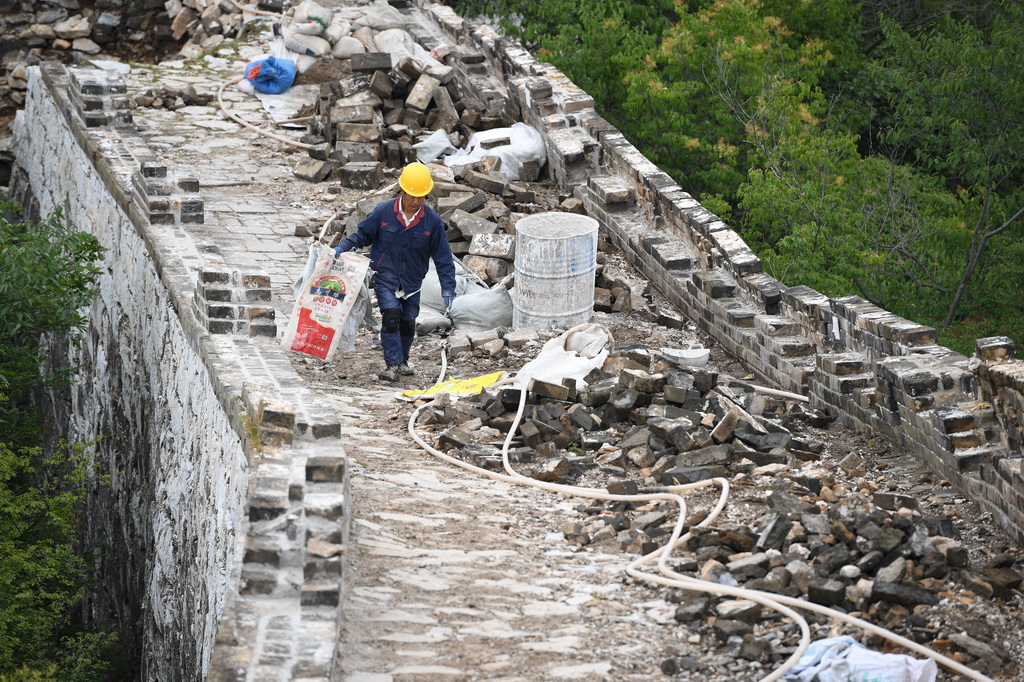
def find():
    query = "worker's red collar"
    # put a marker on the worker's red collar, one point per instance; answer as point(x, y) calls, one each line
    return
point(416, 216)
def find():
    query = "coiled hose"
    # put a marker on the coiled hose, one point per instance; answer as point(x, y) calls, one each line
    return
point(666, 576)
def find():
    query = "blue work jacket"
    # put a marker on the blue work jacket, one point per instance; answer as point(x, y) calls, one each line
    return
point(399, 254)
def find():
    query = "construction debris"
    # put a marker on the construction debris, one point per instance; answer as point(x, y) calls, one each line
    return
point(646, 420)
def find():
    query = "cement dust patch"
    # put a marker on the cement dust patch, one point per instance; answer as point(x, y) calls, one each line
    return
point(547, 609)
point(360, 676)
point(167, 139)
point(556, 645)
point(416, 653)
point(423, 580)
point(461, 611)
point(431, 635)
point(494, 629)
point(212, 144)
point(223, 126)
point(450, 517)
point(409, 518)
point(378, 593)
point(581, 672)
point(399, 616)
point(426, 670)
point(422, 496)
point(417, 477)
point(513, 586)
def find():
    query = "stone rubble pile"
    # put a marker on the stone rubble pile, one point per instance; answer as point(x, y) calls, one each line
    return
point(73, 31)
point(645, 420)
point(372, 117)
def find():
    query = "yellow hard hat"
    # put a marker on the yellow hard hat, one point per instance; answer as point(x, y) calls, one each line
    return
point(415, 180)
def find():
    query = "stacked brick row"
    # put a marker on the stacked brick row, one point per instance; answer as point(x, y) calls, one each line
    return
point(165, 199)
point(100, 99)
point(231, 301)
point(873, 369)
point(280, 604)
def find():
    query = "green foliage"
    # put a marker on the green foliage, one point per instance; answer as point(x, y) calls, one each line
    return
point(870, 148)
point(959, 114)
point(41, 573)
point(47, 275)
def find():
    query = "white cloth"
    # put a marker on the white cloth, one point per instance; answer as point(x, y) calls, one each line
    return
point(844, 659)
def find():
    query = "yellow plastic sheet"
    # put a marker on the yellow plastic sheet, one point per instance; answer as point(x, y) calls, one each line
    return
point(461, 387)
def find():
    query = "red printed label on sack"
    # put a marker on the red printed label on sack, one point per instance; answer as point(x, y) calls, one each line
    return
point(330, 291)
point(311, 337)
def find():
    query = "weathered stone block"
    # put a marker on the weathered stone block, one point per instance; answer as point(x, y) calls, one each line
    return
point(361, 175)
point(371, 61)
point(501, 246)
point(359, 132)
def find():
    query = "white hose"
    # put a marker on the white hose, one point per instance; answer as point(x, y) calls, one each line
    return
point(668, 577)
point(236, 119)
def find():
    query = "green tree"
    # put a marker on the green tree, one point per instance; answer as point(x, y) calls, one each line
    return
point(47, 276)
point(959, 112)
point(822, 215)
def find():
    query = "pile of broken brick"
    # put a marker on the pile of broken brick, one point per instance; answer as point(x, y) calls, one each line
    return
point(374, 114)
point(644, 419)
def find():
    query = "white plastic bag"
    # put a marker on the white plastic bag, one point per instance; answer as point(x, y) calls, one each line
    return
point(434, 146)
point(381, 16)
point(569, 356)
point(524, 143)
point(399, 43)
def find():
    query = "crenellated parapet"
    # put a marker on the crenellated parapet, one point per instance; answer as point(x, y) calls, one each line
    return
point(872, 369)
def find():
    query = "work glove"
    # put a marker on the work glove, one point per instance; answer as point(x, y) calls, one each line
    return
point(448, 300)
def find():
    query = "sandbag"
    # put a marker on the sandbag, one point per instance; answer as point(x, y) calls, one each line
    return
point(326, 302)
point(271, 75)
point(346, 47)
point(307, 28)
point(365, 36)
point(466, 283)
point(336, 31)
point(476, 307)
point(479, 311)
point(305, 62)
point(313, 46)
point(311, 11)
point(381, 16)
point(524, 143)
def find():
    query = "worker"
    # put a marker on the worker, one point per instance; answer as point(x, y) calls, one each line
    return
point(402, 234)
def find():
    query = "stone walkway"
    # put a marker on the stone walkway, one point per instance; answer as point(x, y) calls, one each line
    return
point(448, 575)
point(457, 577)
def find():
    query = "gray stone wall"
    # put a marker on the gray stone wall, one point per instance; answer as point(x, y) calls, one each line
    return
point(167, 522)
point(223, 529)
point(873, 370)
